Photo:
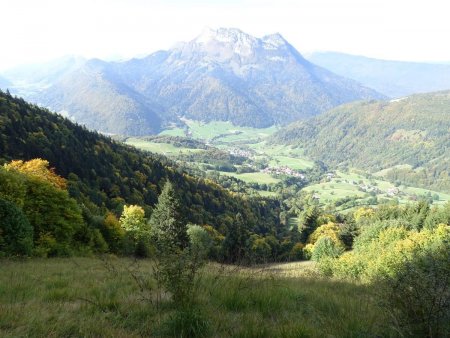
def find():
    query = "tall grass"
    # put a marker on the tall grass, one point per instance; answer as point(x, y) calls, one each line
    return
point(93, 298)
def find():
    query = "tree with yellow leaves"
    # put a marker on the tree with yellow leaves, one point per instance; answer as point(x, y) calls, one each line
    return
point(38, 168)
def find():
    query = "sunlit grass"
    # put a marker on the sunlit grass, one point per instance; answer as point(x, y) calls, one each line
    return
point(98, 298)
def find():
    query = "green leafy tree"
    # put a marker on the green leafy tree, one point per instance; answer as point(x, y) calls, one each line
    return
point(12, 187)
point(55, 217)
point(132, 220)
point(16, 233)
point(326, 247)
point(200, 241)
point(113, 233)
point(261, 250)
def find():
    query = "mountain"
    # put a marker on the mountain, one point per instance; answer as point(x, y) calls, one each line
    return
point(104, 175)
point(392, 78)
point(412, 131)
point(226, 74)
point(222, 74)
point(94, 95)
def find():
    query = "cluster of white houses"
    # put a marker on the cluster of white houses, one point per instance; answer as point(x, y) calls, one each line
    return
point(283, 171)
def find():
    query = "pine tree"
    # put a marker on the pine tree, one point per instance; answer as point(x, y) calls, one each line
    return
point(167, 224)
point(236, 241)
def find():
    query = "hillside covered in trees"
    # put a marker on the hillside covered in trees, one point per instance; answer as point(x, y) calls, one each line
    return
point(412, 131)
point(103, 176)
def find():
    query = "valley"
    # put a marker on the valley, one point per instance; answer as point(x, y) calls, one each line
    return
point(271, 164)
point(227, 185)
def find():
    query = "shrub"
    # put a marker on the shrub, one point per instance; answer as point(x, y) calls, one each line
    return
point(417, 295)
point(16, 233)
point(199, 239)
point(330, 230)
point(297, 251)
point(261, 250)
point(308, 250)
point(326, 247)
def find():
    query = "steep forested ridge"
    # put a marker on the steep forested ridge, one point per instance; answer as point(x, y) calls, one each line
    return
point(372, 135)
point(103, 174)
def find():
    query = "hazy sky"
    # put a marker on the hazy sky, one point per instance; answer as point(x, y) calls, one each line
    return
point(37, 30)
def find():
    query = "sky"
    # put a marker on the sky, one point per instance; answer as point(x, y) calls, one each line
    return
point(38, 30)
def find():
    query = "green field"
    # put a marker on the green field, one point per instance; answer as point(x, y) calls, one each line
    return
point(222, 131)
point(89, 297)
point(294, 163)
point(159, 148)
point(279, 155)
point(346, 185)
point(257, 177)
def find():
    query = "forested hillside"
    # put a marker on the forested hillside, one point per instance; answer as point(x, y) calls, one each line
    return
point(103, 175)
point(412, 131)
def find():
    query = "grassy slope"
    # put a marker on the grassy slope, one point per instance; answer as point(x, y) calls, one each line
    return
point(159, 148)
point(337, 188)
point(226, 131)
point(257, 177)
point(88, 297)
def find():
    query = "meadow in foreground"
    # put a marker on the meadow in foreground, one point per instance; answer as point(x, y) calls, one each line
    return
point(115, 297)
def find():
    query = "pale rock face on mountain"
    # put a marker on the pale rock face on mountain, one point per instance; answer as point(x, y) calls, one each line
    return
point(222, 74)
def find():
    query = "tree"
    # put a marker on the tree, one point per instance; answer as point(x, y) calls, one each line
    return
point(261, 249)
point(38, 168)
point(113, 232)
point(176, 260)
point(236, 240)
point(132, 220)
point(16, 233)
point(326, 247)
point(308, 218)
point(167, 226)
point(55, 217)
point(12, 187)
point(199, 240)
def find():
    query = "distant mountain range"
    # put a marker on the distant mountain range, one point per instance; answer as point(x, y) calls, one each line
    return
point(223, 74)
point(391, 78)
point(413, 131)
